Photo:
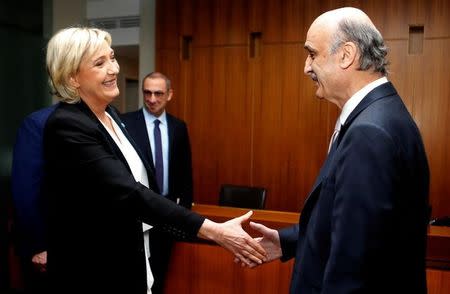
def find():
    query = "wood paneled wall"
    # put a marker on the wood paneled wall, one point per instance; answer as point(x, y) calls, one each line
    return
point(256, 121)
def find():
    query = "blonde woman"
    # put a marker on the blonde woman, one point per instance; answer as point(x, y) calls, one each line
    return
point(100, 190)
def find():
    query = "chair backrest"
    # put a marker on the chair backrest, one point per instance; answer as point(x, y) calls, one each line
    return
point(242, 196)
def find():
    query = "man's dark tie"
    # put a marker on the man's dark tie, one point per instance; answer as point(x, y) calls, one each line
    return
point(159, 167)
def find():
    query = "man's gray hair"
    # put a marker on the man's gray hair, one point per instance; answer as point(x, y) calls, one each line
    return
point(369, 41)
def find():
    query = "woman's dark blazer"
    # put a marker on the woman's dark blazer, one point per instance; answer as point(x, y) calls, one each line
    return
point(96, 208)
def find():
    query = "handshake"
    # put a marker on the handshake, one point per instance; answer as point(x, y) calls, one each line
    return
point(247, 251)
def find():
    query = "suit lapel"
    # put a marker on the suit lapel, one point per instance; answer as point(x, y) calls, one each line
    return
point(142, 140)
point(144, 158)
point(88, 112)
point(314, 194)
point(384, 90)
point(171, 131)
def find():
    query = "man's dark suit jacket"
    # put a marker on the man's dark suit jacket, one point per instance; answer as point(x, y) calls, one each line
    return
point(27, 174)
point(96, 207)
point(180, 182)
point(180, 162)
point(363, 226)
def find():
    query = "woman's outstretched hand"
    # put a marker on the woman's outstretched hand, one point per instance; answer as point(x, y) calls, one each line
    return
point(232, 236)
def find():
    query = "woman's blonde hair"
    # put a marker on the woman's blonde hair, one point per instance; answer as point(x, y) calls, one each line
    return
point(65, 51)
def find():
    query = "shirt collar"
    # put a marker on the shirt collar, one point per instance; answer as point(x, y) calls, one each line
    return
point(151, 118)
point(351, 104)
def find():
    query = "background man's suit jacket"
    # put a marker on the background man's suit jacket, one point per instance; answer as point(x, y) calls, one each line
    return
point(26, 181)
point(96, 208)
point(363, 226)
point(180, 162)
point(180, 182)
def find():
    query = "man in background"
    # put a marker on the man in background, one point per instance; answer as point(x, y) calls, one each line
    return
point(363, 226)
point(164, 141)
point(30, 216)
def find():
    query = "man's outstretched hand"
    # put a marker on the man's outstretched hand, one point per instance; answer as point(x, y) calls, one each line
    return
point(232, 236)
point(270, 241)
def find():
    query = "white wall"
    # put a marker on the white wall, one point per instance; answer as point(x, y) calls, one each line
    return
point(112, 8)
point(68, 13)
point(125, 36)
point(147, 41)
point(115, 9)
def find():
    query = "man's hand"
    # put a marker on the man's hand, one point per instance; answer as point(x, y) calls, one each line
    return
point(231, 236)
point(39, 261)
point(270, 241)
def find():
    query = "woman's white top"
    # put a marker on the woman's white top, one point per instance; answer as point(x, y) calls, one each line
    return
point(140, 175)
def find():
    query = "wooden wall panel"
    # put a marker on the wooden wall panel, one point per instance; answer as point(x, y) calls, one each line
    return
point(271, 20)
point(392, 18)
point(236, 123)
point(230, 22)
point(312, 9)
point(185, 81)
point(186, 13)
point(200, 117)
point(166, 34)
point(255, 82)
point(203, 19)
point(221, 12)
point(269, 165)
point(287, 20)
point(255, 13)
point(433, 107)
point(291, 136)
point(217, 114)
point(437, 18)
point(168, 62)
point(291, 21)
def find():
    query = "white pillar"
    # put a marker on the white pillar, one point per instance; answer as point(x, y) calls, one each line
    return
point(146, 41)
